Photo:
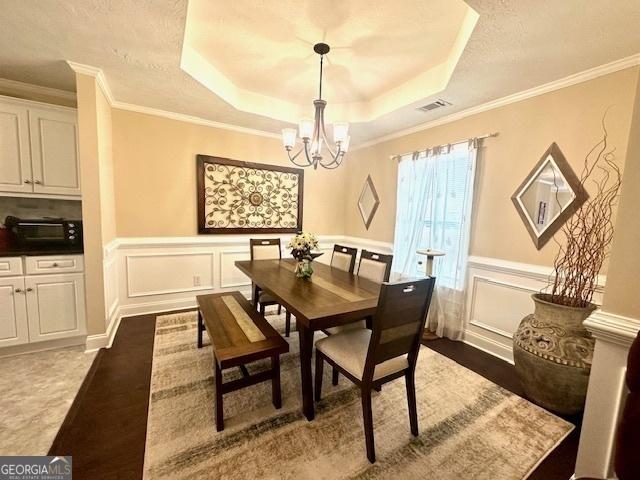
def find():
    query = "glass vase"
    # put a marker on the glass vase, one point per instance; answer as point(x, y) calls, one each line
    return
point(304, 268)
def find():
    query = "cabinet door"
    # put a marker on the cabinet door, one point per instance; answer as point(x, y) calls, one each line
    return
point(14, 328)
point(15, 160)
point(54, 151)
point(55, 306)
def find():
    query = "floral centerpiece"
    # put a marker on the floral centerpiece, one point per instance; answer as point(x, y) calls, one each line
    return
point(301, 246)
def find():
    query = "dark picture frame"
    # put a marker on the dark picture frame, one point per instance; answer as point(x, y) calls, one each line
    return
point(203, 161)
point(573, 181)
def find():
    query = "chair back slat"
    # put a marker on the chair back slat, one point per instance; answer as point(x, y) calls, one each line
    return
point(265, 248)
point(375, 266)
point(344, 258)
point(399, 322)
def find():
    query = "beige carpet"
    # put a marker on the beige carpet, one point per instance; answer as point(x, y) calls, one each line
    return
point(470, 428)
point(36, 391)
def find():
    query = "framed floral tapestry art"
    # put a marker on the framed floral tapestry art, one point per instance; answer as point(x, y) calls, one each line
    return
point(245, 197)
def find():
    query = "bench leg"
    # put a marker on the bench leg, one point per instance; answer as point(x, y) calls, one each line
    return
point(262, 308)
point(200, 328)
point(245, 372)
point(334, 376)
point(275, 382)
point(218, 408)
point(279, 309)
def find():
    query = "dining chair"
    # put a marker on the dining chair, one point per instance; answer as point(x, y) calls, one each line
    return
point(267, 249)
point(344, 258)
point(375, 267)
point(370, 358)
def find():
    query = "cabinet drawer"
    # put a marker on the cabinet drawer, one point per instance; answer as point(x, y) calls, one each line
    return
point(54, 264)
point(10, 266)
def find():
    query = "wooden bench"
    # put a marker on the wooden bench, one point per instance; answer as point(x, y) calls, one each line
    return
point(239, 335)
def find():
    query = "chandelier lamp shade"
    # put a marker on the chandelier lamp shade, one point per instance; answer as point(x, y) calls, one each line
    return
point(313, 135)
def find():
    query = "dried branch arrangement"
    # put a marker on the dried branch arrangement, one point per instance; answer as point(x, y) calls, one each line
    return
point(589, 232)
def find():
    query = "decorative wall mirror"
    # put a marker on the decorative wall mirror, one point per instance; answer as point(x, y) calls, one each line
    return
point(549, 196)
point(368, 202)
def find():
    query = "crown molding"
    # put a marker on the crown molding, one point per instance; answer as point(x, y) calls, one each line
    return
point(98, 74)
point(101, 79)
point(580, 77)
point(181, 117)
point(28, 88)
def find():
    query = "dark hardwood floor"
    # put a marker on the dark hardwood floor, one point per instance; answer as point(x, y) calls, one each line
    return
point(105, 428)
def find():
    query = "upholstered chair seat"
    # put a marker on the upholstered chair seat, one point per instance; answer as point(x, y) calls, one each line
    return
point(349, 350)
point(346, 328)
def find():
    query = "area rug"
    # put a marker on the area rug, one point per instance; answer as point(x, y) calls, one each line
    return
point(470, 428)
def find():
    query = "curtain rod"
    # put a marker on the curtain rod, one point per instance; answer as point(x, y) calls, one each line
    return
point(424, 150)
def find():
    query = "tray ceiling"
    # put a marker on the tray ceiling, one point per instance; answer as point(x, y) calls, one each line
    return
point(514, 46)
point(260, 60)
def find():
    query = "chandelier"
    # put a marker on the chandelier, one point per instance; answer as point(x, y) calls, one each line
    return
point(313, 134)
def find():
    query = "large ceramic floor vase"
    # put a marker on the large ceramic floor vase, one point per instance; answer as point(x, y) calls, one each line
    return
point(553, 352)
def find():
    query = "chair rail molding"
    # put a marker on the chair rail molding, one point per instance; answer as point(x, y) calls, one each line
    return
point(606, 393)
point(499, 297)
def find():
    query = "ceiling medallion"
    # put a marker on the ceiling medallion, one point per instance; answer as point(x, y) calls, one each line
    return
point(313, 134)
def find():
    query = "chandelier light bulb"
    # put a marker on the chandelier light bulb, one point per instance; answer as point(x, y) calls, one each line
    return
point(340, 131)
point(289, 137)
point(305, 128)
point(344, 146)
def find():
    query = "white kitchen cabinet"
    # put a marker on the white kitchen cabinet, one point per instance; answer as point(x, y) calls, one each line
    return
point(14, 328)
point(15, 158)
point(54, 151)
point(38, 149)
point(55, 306)
point(10, 266)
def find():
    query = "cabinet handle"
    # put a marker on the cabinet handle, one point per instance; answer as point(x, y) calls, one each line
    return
point(27, 181)
point(37, 181)
point(29, 289)
point(18, 290)
point(54, 264)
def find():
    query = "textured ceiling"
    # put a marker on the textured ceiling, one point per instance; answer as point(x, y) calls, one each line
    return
point(516, 45)
point(381, 59)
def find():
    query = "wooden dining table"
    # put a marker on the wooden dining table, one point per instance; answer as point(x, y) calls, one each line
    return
point(331, 297)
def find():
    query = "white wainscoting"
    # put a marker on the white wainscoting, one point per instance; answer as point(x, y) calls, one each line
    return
point(498, 297)
point(148, 275)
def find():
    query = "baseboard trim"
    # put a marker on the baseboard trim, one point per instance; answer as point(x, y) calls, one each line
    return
point(104, 340)
point(489, 346)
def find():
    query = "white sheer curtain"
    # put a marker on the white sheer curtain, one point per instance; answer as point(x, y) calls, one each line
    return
point(434, 206)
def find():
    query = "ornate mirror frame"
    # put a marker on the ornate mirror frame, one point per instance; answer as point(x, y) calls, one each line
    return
point(367, 217)
point(556, 156)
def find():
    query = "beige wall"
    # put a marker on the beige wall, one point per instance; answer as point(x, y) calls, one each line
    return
point(155, 176)
point(570, 117)
point(621, 294)
point(94, 139)
point(105, 154)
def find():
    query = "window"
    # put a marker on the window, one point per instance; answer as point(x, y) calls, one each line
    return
point(440, 185)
